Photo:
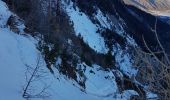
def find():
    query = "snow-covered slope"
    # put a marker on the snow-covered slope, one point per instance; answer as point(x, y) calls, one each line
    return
point(19, 56)
point(84, 27)
point(156, 7)
point(17, 51)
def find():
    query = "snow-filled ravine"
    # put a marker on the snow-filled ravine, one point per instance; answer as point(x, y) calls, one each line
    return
point(86, 28)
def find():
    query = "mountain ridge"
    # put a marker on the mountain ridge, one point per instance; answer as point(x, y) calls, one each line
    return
point(155, 7)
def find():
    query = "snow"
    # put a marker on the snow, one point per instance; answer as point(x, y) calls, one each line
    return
point(84, 27)
point(63, 89)
point(125, 95)
point(11, 64)
point(104, 21)
point(151, 96)
point(100, 82)
point(16, 52)
point(124, 61)
point(20, 24)
point(87, 29)
point(4, 14)
point(19, 51)
point(11, 61)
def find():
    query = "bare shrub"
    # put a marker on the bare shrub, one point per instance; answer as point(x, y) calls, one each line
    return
point(33, 75)
point(154, 69)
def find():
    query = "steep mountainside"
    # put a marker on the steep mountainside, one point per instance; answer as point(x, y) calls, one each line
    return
point(19, 61)
point(81, 49)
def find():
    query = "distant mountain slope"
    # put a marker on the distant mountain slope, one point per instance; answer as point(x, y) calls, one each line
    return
point(156, 7)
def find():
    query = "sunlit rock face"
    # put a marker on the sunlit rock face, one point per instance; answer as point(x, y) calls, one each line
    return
point(156, 7)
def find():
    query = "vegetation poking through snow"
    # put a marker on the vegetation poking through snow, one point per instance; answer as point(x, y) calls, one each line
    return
point(112, 37)
point(110, 60)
